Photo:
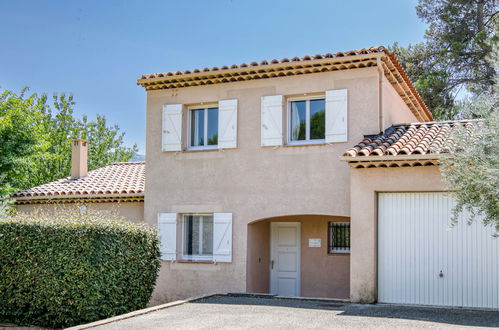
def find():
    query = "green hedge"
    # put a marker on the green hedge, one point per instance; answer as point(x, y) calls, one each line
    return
point(68, 269)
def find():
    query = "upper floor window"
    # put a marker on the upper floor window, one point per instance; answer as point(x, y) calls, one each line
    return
point(203, 127)
point(307, 120)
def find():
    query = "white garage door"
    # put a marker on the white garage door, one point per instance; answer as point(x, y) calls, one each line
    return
point(422, 261)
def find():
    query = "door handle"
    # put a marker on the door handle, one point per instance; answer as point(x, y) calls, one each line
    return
point(272, 264)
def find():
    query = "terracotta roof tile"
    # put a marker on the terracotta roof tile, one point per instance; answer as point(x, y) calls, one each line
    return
point(118, 178)
point(274, 61)
point(361, 58)
point(407, 139)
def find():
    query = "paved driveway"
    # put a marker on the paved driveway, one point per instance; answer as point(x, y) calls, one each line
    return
point(264, 313)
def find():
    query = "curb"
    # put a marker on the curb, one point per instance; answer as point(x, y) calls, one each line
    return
point(140, 312)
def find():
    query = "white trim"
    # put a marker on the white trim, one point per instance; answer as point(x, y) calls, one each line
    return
point(227, 123)
point(298, 255)
point(205, 128)
point(222, 237)
point(337, 116)
point(171, 127)
point(307, 100)
point(271, 120)
point(194, 257)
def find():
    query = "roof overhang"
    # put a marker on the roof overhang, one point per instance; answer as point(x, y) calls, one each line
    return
point(79, 198)
point(392, 161)
point(373, 57)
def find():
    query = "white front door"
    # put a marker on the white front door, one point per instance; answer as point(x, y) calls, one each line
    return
point(285, 258)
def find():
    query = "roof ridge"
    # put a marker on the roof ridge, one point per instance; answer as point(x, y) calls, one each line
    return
point(126, 179)
point(373, 49)
point(130, 162)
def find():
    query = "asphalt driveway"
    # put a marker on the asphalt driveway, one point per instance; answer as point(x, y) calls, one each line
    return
point(264, 313)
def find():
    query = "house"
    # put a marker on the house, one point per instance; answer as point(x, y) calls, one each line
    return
point(248, 184)
point(119, 187)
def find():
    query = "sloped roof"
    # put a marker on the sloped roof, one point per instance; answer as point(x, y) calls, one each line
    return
point(118, 179)
point(362, 58)
point(406, 139)
point(363, 51)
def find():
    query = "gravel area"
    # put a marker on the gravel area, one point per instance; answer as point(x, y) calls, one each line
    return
point(263, 313)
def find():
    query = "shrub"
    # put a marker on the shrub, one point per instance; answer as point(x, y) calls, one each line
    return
point(62, 269)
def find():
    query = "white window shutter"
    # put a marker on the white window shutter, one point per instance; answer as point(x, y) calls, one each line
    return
point(167, 227)
point(172, 127)
point(227, 124)
point(271, 130)
point(336, 115)
point(222, 237)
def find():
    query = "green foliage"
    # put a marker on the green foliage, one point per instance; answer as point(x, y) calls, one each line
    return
point(35, 140)
point(67, 269)
point(21, 134)
point(318, 125)
point(432, 84)
point(213, 140)
point(471, 167)
point(458, 52)
point(462, 34)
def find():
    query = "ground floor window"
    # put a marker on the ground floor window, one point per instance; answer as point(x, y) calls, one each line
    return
point(339, 237)
point(198, 237)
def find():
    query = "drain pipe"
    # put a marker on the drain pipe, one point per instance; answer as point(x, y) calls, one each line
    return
point(380, 92)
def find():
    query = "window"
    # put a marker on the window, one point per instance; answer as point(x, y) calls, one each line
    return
point(197, 237)
point(307, 120)
point(339, 237)
point(203, 127)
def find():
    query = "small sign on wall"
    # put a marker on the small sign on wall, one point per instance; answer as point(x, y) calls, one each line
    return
point(314, 242)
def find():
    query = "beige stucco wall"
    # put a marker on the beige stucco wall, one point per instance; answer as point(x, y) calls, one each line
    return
point(322, 274)
point(365, 184)
point(252, 182)
point(395, 111)
point(133, 211)
point(258, 260)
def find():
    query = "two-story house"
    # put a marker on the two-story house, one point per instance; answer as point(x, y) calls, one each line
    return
point(248, 181)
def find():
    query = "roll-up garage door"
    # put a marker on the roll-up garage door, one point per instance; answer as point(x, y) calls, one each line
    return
point(421, 260)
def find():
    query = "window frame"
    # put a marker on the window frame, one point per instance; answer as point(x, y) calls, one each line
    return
point(195, 257)
point(307, 100)
point(204, 107)
point(330, 248)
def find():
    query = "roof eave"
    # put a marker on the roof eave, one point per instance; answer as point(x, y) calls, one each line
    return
point(76, 196)
point(390, 158)
point(349, 58)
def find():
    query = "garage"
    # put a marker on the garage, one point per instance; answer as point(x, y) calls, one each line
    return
point(421, 260)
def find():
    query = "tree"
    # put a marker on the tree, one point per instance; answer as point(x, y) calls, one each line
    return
point(21, 136)
point(432, 84)
point(471, 167)
point(457, 53)
point(462, 34)
point(35, 140)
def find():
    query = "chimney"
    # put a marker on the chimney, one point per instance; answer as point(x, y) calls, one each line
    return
point(79, 159)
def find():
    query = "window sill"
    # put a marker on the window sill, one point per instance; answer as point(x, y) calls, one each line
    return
point(187, 261)
point(315, 143)
point(194, 149)
point(338, 253)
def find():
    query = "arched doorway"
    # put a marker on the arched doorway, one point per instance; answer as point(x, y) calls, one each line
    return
point(293, 255)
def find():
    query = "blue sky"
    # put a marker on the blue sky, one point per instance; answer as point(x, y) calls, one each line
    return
point(96, 50)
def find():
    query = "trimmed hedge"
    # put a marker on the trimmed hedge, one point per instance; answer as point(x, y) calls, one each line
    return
point(67, 269)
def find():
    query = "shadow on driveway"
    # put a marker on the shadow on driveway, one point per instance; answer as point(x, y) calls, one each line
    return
point(454, 316)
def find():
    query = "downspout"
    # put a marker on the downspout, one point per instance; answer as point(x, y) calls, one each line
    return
point(380, 93)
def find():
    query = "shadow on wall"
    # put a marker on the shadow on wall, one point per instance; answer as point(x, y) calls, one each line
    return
point(322, 274)
point(456, 316)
